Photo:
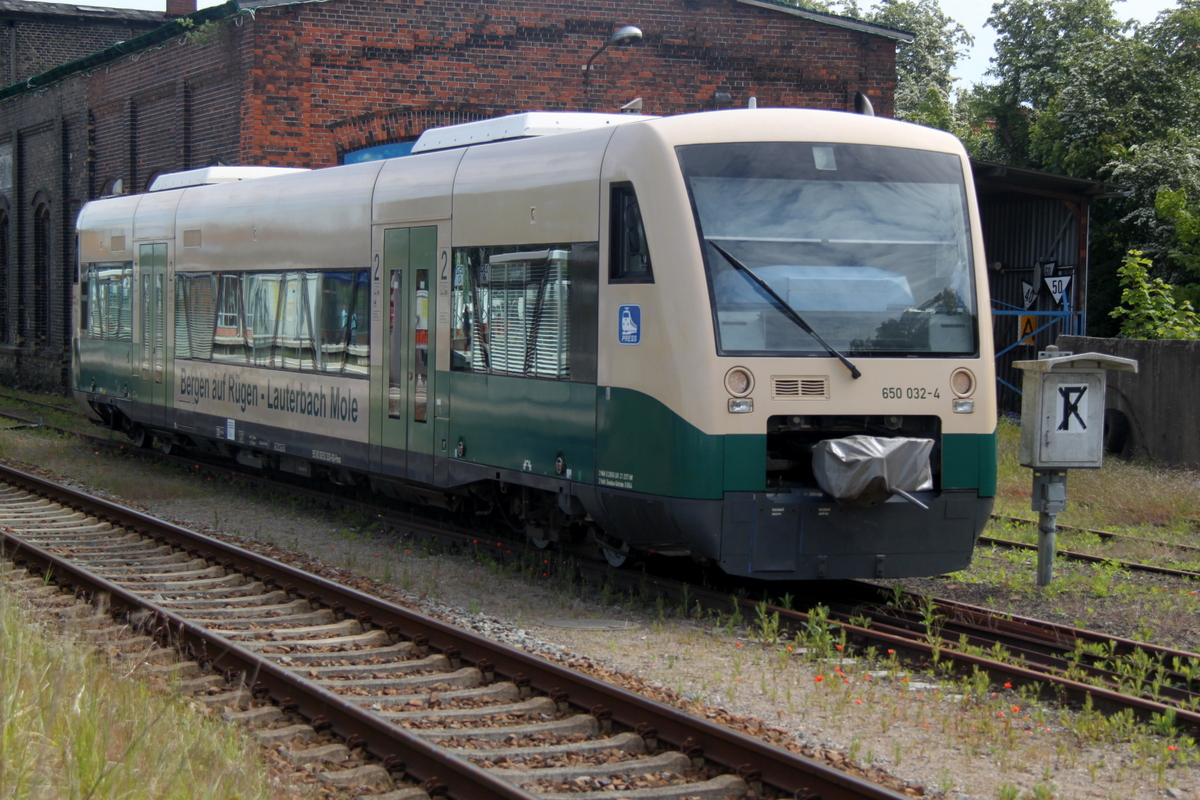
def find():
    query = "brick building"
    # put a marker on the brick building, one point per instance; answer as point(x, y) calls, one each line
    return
point(304, 83)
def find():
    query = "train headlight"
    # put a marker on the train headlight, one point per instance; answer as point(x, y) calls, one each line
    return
point(739, 382)
point(964, 406)
point(741, 405)
point(962, 382)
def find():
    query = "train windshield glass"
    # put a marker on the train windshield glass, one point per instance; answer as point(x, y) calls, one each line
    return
point(870, 245)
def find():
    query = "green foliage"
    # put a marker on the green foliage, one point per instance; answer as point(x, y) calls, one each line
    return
point(1158, 218)
point(1148, 306)
point(1077, 92)
point(206, 33)
point(1174, 206)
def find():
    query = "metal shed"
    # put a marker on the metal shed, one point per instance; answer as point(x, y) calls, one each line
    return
point(1035, 235)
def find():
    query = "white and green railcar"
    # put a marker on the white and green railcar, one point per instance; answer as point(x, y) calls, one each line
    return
point(630, 333)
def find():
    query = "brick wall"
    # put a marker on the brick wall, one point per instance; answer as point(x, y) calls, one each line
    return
point(335, 77)
point(172, 109)
point(48, 180)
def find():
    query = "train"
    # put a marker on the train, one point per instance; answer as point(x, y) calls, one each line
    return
point(754, 338)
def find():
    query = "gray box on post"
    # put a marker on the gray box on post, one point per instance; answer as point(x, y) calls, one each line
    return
point(1062, 409)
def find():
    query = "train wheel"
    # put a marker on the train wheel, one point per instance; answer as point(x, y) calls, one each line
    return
point(540, 544)
point(139, 437)
point(616, 557)
point(163, 446)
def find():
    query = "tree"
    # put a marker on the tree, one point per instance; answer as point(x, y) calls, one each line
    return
point(1163, 180)
point(1108, 100)
point(923, 66)
point(1037, 42)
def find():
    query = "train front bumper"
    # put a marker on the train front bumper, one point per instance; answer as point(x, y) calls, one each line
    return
point(805, 535)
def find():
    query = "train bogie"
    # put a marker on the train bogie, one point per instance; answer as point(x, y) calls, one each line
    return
point(634, 336)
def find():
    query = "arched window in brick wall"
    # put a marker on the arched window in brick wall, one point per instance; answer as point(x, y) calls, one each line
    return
point(5, 276)
point(38, 314)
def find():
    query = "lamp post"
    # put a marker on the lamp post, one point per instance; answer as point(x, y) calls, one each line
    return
point(626, 35)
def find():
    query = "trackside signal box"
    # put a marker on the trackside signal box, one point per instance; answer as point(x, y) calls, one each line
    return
point(1062, 409)
point(1062, 427)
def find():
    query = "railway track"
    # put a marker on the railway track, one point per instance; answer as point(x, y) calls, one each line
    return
point(420, 707)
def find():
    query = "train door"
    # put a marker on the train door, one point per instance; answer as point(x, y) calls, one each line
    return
point(407, 258)
point(150, 371)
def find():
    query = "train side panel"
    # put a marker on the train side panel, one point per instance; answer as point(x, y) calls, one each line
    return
point(542, 196)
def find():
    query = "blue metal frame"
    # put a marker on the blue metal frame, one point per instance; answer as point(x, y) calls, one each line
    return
point(1073, 323)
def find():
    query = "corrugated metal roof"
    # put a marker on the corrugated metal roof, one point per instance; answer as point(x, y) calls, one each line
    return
point(1000, 177)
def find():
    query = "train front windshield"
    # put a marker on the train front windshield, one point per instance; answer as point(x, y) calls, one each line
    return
point(868, 245)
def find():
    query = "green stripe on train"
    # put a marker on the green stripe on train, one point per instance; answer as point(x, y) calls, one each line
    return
point(628, 440)
point(643, 445)
point(969, 462)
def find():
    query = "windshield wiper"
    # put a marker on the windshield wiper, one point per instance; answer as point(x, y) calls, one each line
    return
point(788, 311)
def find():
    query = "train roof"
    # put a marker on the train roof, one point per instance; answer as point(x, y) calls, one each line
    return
point(206, 176)
point(518, 126)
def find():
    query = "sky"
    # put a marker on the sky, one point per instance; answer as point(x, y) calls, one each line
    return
point(972, 14)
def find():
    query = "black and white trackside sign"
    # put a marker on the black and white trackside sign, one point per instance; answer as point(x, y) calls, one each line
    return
point(1074, 408)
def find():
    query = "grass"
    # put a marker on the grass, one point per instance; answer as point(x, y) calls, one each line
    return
point(1133, 497)
point(73, 727)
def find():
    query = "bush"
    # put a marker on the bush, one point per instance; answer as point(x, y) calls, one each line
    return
point(1148, 306)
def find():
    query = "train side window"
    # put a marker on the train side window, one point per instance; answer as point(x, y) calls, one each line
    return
point(263, 297)
point(512, 311)
point(229, 324)
point(106, 297)
point(628, 252)
point(195, 313)
point(294, 327)
point(83, 302)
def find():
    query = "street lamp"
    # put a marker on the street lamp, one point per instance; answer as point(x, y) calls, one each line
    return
point(626, 35)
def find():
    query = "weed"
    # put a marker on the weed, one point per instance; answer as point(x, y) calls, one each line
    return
point(767, 625)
